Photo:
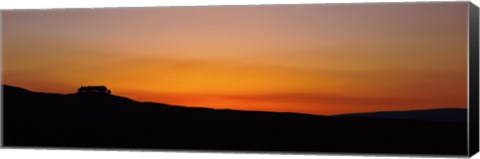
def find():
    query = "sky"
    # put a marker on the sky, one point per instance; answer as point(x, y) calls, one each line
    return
point(318, 59)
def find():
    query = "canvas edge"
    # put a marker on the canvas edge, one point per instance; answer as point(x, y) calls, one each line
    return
point(1, 80)
point(473, 108)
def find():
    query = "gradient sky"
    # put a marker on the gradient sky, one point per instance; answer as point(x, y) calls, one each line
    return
point(316, 59)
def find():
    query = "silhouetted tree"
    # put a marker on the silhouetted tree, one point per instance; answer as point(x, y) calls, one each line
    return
point(93, 89)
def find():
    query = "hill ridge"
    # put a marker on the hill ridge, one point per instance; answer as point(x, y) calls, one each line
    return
point(105, 121)
point(361, 114)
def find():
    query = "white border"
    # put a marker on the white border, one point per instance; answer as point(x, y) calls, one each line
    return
point(82, 154)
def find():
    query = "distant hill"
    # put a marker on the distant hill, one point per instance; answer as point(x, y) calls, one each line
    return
point(96, 120)
point(445, 115)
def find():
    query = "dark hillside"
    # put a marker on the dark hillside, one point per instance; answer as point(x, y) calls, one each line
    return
point(96, 120)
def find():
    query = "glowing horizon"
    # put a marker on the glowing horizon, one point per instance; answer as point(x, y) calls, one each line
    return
point(316, 59)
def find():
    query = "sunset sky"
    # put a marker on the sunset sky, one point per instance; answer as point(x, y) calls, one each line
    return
point(317, 59)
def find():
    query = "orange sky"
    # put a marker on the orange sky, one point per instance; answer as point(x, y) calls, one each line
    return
point(316, 59)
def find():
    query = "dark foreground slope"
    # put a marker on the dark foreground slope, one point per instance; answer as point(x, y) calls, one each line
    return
point(106, 121)
point(444, 115)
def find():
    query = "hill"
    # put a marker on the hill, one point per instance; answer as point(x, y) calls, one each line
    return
point(444, 115)
point(93, 120)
